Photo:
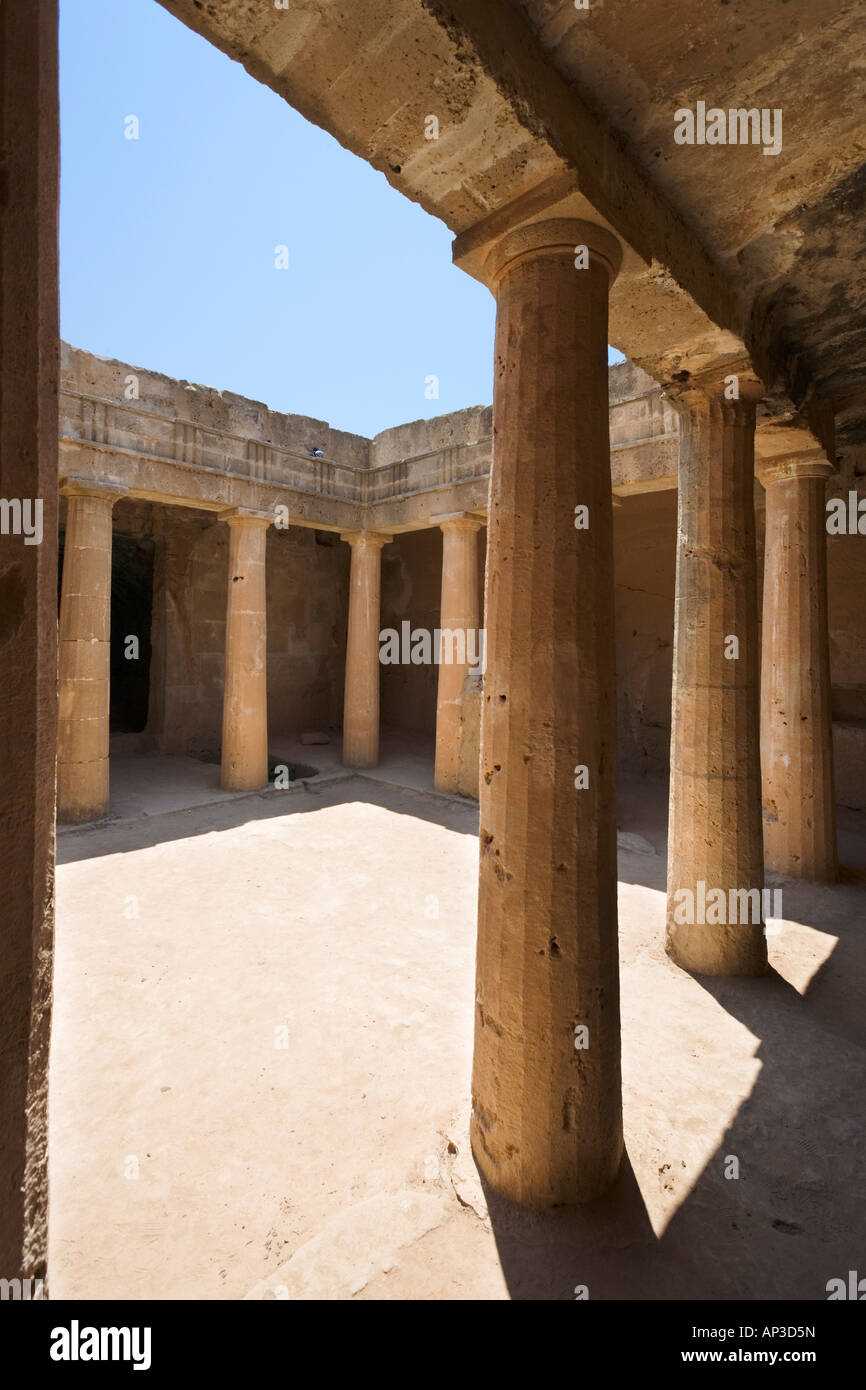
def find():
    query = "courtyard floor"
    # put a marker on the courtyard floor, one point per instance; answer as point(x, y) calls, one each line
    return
point(262, 1045)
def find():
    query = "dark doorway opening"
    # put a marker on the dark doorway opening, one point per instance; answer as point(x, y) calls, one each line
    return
point(131, 618)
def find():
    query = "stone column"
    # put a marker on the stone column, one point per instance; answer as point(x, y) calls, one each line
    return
point(361, 695)
point(85, 657)
point(245, 693)
point(796, 715)
point(458, 615)
point(546, 1120)
point(714, 824)
point(29, 368)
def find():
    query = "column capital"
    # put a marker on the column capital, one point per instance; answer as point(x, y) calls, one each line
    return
point(240, 516)
point(105, 488)
point(556, 236)
point(456, 521)
point(367, 540)
point(782, 470)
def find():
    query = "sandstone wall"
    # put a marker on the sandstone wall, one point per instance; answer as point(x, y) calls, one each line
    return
point(644, 538)
point(411, 578)
point(411, 590)
point(307, 611)
point(645, 567)
point(404, 476)
point(307, 592)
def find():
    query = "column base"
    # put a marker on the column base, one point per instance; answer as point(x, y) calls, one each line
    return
point(359, 762)
point(238, 783)
point(703, 951)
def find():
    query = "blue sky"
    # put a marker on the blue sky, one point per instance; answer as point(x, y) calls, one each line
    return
point(167, 242)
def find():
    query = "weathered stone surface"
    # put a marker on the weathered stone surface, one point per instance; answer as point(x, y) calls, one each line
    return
point(547, 1121)
point(547, 113)
point(28, 608)
point(796, 701)
point(418, 471)
point(361, 702)
point(471, 698)
point(458, 618)
point(245, 700)
point(725, 248)
point(85, 621)
point(714, 838)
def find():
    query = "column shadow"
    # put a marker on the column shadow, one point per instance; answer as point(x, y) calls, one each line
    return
point(794, 1216)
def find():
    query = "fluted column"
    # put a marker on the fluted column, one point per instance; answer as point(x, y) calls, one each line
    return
point(84, 656)
point(361, 692)
point(714, 826)
point(546, 1120)
point(245, 691)
point(458, 615)
point(796, 714)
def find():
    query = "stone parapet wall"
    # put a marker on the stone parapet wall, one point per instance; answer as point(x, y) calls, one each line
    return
point(194, 447)
point(179, 442)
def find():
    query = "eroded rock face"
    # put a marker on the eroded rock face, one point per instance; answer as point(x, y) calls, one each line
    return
point(726, 247)
point(28, 632)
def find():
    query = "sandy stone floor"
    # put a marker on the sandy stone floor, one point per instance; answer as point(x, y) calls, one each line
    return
point(261, 1054)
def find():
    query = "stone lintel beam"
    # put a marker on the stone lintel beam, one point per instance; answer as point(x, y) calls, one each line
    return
point(251, 514)
point(439, 518)
point(414, 510)
point(171, 483)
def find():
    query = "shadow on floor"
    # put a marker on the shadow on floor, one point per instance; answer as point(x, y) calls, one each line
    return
point(794, 1216)
point(109, 837)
